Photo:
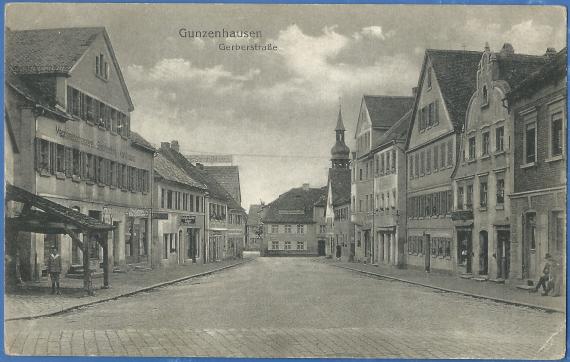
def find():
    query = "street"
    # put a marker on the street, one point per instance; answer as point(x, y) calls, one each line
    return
point(294, 307)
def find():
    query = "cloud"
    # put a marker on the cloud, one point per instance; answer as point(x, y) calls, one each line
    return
point(374, 32)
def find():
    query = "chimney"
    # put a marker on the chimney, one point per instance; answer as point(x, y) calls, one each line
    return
point(199, 165)
point(550, 52)
point(507, 49)
point(174, 145)
point(414, 91)
point(165, 145)
point(305, 187)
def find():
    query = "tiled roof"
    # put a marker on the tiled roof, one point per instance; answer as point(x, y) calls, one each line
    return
point(551, 71)
point(398, 131)
point(228, 177)
point(214, 188)
point(456, 74)
point(294, 206)
point(514, 68)
point(44, 51)
point(254, 215)
point(137, 139)
point(169, 171)
point(384, 111)
point(340, 182)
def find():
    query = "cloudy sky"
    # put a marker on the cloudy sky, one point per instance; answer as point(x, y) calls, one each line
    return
point(276, 111)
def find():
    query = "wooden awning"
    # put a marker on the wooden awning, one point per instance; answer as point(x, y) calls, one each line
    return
point(40, 215)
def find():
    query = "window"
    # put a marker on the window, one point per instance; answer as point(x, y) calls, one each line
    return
point(500, 191)
point(469, 202)
point(449, 153)
point(428, 77)
point(76, 162)
point(393, 160)
point(557, 232)
point(360, 178)
point(169, 199)
point(500, 139)
point(485, 95)
point(417, 164)
point(483, 193)
point(435, 158)
point(300, 245)
point(274, 229)
point(300, 229)
point(485, 144)
point(530, 143)
point(165, 244)
point(275, 245)
point(471, 154)
point(556, 135)
point(287, 245)
point(428, 161)
point(388, 162)
point(442, 156)
point(411, 167)
point(287, 229)
point(382, 167)
point(101, 67)
point(382, 203)
point(460, 195)
point(323, 229)
point(60, 158)
point(360, 205)
point(530, 229)
point(162, 197)
point(422, 163)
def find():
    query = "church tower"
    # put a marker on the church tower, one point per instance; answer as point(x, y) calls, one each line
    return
point(340, 153)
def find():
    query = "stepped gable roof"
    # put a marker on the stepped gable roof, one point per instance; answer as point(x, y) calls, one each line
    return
point(228, 177)
point(384, 111)
point(294, 206)
point(54, 51)
point(399, 131)
point(551, 71)
point(214, 188)
point(456, 73)
point(340, 182)
point(169, 171)
point(254, 215)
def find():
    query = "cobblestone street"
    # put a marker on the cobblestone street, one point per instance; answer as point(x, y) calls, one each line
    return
point(294, 307)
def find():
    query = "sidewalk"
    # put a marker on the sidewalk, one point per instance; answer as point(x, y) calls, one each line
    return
point(35, 298)
point(504, 293)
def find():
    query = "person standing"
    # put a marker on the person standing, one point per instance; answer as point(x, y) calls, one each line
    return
point(546, 279)
point(54, 270)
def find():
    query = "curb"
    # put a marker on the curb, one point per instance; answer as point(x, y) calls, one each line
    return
point(478, 296)
point(127, 294)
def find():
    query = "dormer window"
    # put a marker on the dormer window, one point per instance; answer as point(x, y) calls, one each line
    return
point(101, 67)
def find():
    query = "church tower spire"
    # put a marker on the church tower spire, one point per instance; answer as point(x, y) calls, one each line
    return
point(340, 152)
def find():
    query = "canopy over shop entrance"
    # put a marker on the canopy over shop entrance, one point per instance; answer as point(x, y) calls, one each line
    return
point(42, 216)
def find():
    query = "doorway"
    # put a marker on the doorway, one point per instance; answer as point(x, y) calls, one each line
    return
point(321, 248)
point(483, 252)
point(427, 248)
point(464, 251)
point(503, 253)
point(529, 245)
point(367, 243)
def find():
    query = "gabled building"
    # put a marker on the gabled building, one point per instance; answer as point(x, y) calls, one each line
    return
point(337, 200)
point(483, 178)
point(178, 215)
point(377, 115)
point(447, 81)
point(537, 108)
point(69, 108)
point(290, 223)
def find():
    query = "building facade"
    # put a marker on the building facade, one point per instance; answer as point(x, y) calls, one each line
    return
point(538, 109)
point(447, 82)
point(290, 228)
point(254, 227)
point(70, 108)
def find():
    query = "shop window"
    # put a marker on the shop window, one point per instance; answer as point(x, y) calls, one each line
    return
point(556, 135)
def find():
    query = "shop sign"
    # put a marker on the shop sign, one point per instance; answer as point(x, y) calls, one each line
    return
point(138, 212)
point(160, 215)
point(188, 220)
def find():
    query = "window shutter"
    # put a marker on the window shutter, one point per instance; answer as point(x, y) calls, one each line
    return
point(83, 165)
point(68, 162)
point(52, 157)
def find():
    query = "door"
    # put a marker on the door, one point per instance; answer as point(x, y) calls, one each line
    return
point(529, 244)
point(427, 251)
point(464, 252)
point(367, 244)
point(503, 253)
point(116, 246)
point(483, 252)
point(321, 248)
point(191, 244)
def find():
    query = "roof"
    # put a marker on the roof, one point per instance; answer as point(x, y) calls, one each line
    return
point(254, 215)
point(398, 131)
point(138, 140)
point(456, 74)
point(515, 68)
point(384, 111)
point(339, 123)
point(54, 51)
point(228, 177)
point(170, 172)
point(339, 178)
point(551, 71)
point(51, 213)
point(294, 206)
point(214, 188)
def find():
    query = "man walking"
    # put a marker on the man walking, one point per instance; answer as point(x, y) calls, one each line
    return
point(54, 269)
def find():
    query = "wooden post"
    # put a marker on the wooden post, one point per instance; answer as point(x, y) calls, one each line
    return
point(106, 264)
point(87, 285)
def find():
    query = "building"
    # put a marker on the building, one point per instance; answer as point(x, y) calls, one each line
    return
point(290, 226)
point(448, 79)
point(340, 239)
point(484, 174)
point(225, 221)
point(537, 108)
point(254, 227)
point(178, 216)
point(69, 109)
point(389, 212)
point(377, 115)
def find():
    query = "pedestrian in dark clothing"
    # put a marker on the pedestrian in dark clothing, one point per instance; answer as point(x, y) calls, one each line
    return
point(545, 280)
point(54, 269)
